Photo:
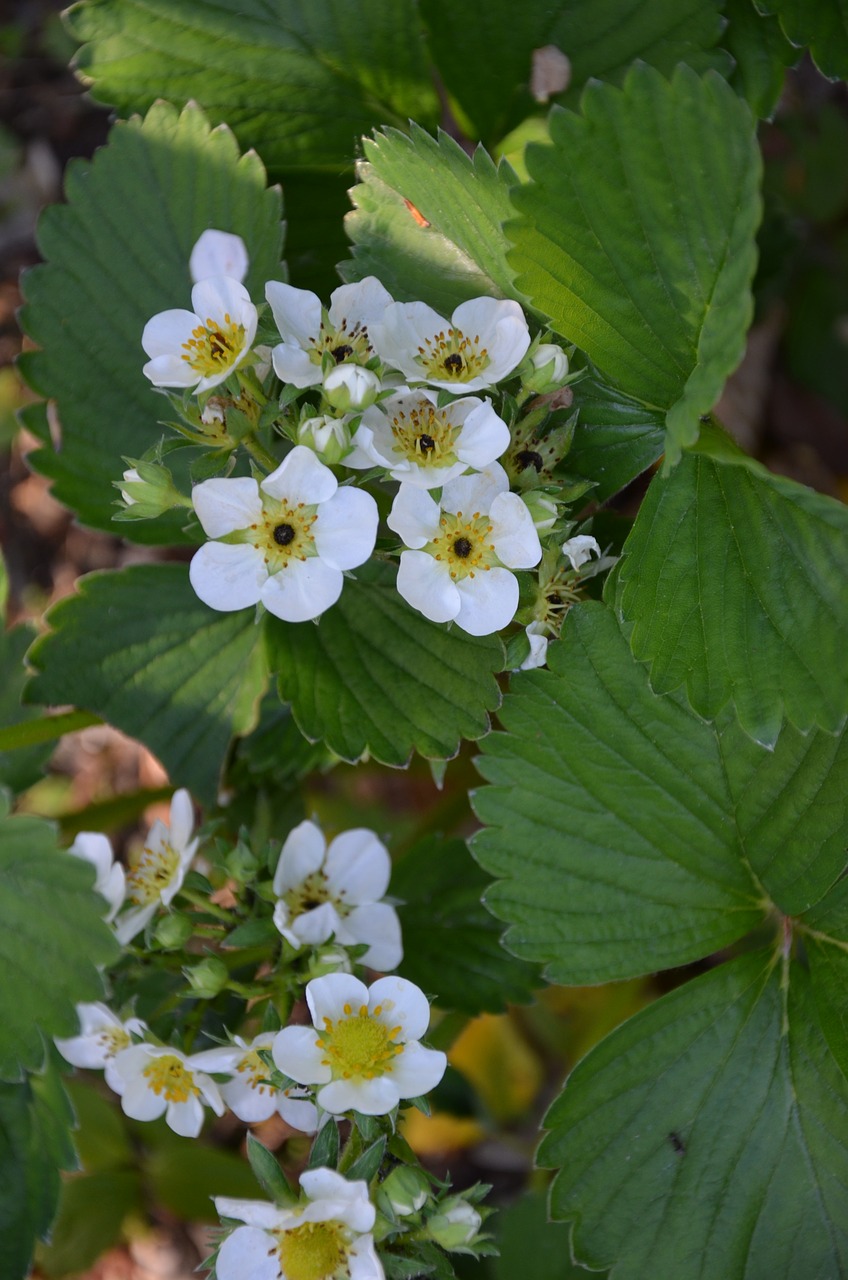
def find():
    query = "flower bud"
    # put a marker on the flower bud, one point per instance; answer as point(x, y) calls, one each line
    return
point(545, 370)
point(351, 388)
point(208, 977)
point(173, 930)
point(456, 1225)
point(406, 1189)
point(329, 959)
point(542, 509)
point(147, 489)
point(580, 549)
point(329, 437)
point(538, 641)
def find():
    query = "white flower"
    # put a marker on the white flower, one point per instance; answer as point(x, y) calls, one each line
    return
point(158, 872)
point(110, 880)
point(247, 1093)
point(365, 1054)
point(286, 541)
point(155, 1080)
point(349, 388)
point(328, 437)
point(546, 369)
point(580, 549)
point(201, 348)
point(456, 1225)
point(462, 550)
point(423, 445)
point(538, 655)
point(327, 1237)
point(102, 1035)
point(483, 342)
point(218, 253)
point(335, 891)
point(308, 332)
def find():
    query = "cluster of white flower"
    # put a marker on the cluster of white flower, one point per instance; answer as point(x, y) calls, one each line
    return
point(390, 389)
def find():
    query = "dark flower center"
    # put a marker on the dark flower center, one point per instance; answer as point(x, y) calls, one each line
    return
point(462, 547)
point(528, 458)
point(426, 443)
point(453, 363)
point(341, 352)
point(283, 535)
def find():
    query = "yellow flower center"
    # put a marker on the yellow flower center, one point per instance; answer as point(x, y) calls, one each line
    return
point(284, 533)
point(213, 347)
point(453, 356)
point(169, 1076)
point(310, 893)
point(464, 544)
point(255, 1072)
point(426, 435)
point(345, 345)
point(113, 1040)
point(358, 1045)
point(314, 1251)
point(153, 872)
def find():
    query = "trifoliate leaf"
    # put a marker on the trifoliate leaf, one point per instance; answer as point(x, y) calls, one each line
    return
point(599, 38)
point(141, 650)
point(451, 943)
point(52, 940)
point(35, 1122)
point(708, 1136)
point(375, 676)
point(630, 834)
point(734, 581)
point(615, 440)
point(300, 82)
point(428, 220)
point(116, 254)
point(636, 237)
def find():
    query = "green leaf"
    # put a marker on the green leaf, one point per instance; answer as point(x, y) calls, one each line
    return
point(616, 438)
point(300, 82)
point(92, 1210)
point(610, 818)
point(116, 254)
point(601, 39)
point(184, 1175)
point(530, 1245)
point(645, 259)
point(762, 55)
point(734, 580)
point(35, 1122)
point(52, 940)
point(451, 943)
point(22, 766)
point(139, 649)
point(373, 675)
point(821, 24)
point(325, 1148)
point(366, 1166)
point(708, 1136)
point(268, 1173)
point(428, 220)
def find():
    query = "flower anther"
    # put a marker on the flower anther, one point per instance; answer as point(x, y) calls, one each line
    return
point(154, 1080)
point(199, 349)
point(310, 333)
point(249, 1094)
point(102, 1036)
point(482, 343)
point(157, 873)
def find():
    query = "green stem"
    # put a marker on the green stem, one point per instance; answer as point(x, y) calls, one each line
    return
point(210, 908)
point(351, 1150)
point(260, 454)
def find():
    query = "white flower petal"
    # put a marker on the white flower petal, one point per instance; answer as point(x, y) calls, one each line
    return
point(297, 314)
point(362, 1260)
point(364, 301)
point(317, 925)
point(219, 297)
point(218, 253)
point(365, 453)
point(95, 848)
point(334, 996)
point(298, 1054)
point(300, 477)
point(185, 1118)
point(181, 820)
point(514, 533)
point(247, 1252)
point(301, 855)
point(256, 1213)
point(476, 492)
point(165, 334)
point(351, 1198)
point(405, 326)
point(224, 506)
point(170, 371)
point(489, 601)
point(414, 516)
point(292, 364)
point(417, 1070)
point(140, 1103)
point(358, 866)
point(401, 1004)
point(299, 1113)
point(228, 576)
point(131, 922)
point(538, 655)
point(503, 332)
point(377, 923)
point(375, 1097)
point(345, 528)
point(483, 438)
point(426, 584)
point(580, 549)
point(303, 590)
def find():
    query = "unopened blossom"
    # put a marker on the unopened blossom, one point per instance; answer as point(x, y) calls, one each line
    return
point(325, 1237)
point(580, 549)
point(463, 550)
point(285, 541)
point(363, 1051)
point(482, 343)
point(423, 445)
point(456, 1225)
point(218, 253)
point(110, 880)
point(538, 641)
point(157, 874)
point(350, 388)
point(102, 1036)
point(545, 369)
point(199, 349)
point(335, 891)
point(248, 1093)
point(309, 332)
point(155, 1080)
point(328, 437)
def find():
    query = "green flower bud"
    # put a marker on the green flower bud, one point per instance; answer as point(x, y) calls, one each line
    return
point(328, 959)
point(456, 1226)
point(328, 437)
point(545, 370)
point(208, 977)
point(406, 1189)
point(147, 489)
point(542, 508)
point(173, 931)
point(351, 388)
